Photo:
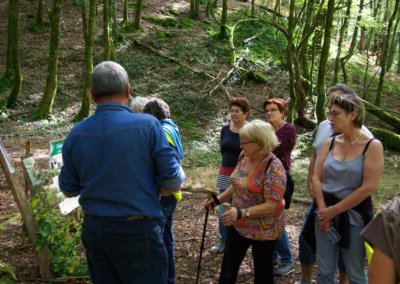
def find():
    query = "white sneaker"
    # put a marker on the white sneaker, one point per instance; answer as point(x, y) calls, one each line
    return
point(219, 247)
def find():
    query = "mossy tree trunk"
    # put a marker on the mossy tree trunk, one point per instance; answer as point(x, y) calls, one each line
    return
point(353, 43)
point(125, 13)
point(10, 27)
point(383, 115)
point(289, 57)
point(17, 83)
point(138, 13)
point(194, 11)
point(378, 100)
point(89, 25)
point(342, 33)
point(223, 32)
point(39, 15)
point(323, 61)
point(107, 39)
point(393, 44)
point(45, 107)
point(388, 138)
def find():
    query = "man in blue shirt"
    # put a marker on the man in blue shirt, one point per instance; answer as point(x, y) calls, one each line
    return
point(119, 162)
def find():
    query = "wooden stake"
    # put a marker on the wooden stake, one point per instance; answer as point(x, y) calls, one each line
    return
point(44, 256)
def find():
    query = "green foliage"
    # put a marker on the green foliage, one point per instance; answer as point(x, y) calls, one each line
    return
point(186, 23)
point(62, 234)
point(163, 21)
point(260, 42)
point(174, 11)
point(201, 154)
point(127, 28)
point(5, 85)
point(8, 271)
point(77, 3)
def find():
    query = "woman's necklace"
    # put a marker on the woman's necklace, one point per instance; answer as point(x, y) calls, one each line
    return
point(355, 140)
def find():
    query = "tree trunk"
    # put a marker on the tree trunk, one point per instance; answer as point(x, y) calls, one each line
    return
point(390, 119)
point(45, 107)
point(289, 57)
point(389, 139)
point(398, 58)
point(106, 30)
point(224, 16)
point(393, 45)
point(113, 8)
point(17, 83)
point(323, 62)
point(89, 31)
point(138, 13)
point(10, 27)
point(194, 9)
point(39, 15)
point(125, 14)
point(378, 100)
point(352, 47)
point(342, 33)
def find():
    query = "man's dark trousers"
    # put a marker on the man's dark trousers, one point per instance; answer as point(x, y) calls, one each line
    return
point(124, 251)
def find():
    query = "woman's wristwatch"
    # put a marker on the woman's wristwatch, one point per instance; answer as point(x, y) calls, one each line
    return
point(247, 213)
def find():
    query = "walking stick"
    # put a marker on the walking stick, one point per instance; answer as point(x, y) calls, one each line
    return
point(210, 194)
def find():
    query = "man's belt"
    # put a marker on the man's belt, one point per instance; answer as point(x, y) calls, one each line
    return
point(128, 218)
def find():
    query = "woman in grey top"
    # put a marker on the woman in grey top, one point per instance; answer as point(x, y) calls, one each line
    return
point(346, 174)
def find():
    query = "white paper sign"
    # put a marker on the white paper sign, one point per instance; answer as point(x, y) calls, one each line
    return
point(69, 204)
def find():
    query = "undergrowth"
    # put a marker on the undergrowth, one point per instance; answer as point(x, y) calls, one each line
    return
point(62, 234)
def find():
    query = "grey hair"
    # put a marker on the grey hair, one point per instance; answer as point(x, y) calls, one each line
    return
point(262, 133)
point(108, 79)
point(341, 89)
point(138, 103)
point(158, 108)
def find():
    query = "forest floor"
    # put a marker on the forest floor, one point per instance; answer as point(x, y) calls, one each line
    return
point(16, 127)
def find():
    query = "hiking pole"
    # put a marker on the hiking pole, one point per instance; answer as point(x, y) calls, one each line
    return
point(210, 194)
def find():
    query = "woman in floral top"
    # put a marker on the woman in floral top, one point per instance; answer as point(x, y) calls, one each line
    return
point(256, 218)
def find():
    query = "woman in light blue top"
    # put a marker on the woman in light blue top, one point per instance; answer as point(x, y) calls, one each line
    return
point(346, 174)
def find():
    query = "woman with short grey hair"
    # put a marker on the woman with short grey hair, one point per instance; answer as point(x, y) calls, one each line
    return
point(256, 218)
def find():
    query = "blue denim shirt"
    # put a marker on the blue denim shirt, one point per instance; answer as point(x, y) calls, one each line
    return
point(117, 161)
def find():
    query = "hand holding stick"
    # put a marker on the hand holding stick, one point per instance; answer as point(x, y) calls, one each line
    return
point(212, 199)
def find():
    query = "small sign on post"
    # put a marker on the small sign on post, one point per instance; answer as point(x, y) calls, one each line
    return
point(44, 256)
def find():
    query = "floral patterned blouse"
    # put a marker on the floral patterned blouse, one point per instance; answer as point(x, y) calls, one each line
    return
point(255, 188)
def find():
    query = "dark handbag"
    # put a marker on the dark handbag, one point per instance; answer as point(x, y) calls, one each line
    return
point(288, 191)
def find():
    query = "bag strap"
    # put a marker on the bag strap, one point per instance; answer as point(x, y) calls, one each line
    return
point(332, 143)
point(269, 163)
point(366, 146)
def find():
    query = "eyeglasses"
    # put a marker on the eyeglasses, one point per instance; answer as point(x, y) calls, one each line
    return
point(236, 111)
point(271, 110)
point(333, 114)
point(244, 143)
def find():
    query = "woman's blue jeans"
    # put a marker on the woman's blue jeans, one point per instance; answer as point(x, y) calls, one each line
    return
point(168, 205)
point(122, 251)
point(282, 249)
point(353, 258)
